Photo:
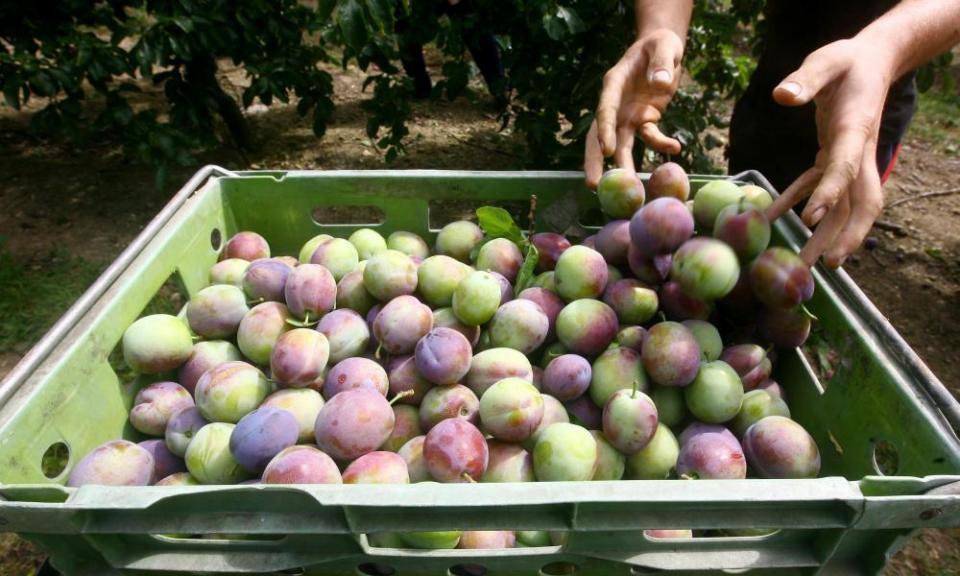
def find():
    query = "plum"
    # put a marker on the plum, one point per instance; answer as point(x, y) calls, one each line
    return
point(442, 402)
point(551, 351)
point(632, 300)
point(205, 356)
point(265, 280)
point(347, 334)
point(443, 356)
point(610, 464)
point(780, 278)
point(678, 305)
point(308, 248)
point(114, 463)
point(581, 273)
point(352, 294)
point(532, 538)
point(740, 306)
point(310, 292)
point(705, 268)
point(445, 318)
point(508, 463)
point(700, 428)
point(715, 394)
point(671, 406)
point(412, 454)
point(519, 324)
point(500, 255)
point(409, 243)
point(178, 479)
point(354, 373)
point(457, 239)
point(546, 280)
point(774, 388)
point(613, 242)
point(155, 404)
point(651, 271)
point(353, 423)
point(668, 534)
point(181, 428)
point(587, 326)
point(229, 391)
point(303, 403)
point(476, 298)
point(368, 243)
point(750, 362)
point(660, 227)
point(745, 228)
point(208, 455)
point(401, 323)
point(711, 457)
point(656, 460)
point(778, 447)
point(616, 369)
point(708, 337)
point(157, 343)
point(713, 197)
point(299, 358)
point(389, 274)
point(436, 540)
point(537, 378)
point(549, 302)
point(668, 180)
point(403, 377)
point(455, 451)
point(553, 412)
point(246, 245)
point(437, 278)
point(620, 193)
point(216, 311)
point(757, 196)
point(165, 462)
point(584, 412)
point(550, 246)
point(379, 467)
point(229, 271)
point(784, 327)
point(757, 404)
point(495, 364)
point(487, 539)
point(567, 377)
point(406, 425)
point(261, 435)
point(613, 275)
point(629, 420)
point(506, 288)
point(671, 354)
point(511, 409)
point(632, 337)
point(260, 329)
point(302, 465)
point(564, 452)
point(337, 255)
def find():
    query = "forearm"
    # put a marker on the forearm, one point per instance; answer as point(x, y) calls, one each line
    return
point(913, 32)
point(673, 15)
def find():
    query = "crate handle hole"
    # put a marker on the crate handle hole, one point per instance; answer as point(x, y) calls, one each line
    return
point(298, 571)
point(216, 239)
point(55, 459)
point(886, 458)
point(559, 569)
point(375, 569)
point(467, 570)
point(643, 570)
point(347, 215)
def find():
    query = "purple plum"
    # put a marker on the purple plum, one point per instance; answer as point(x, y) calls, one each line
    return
point(660, 227)
point(302, 465)
point(352, 294)
point(780, 278)
point(750, 362)
point(632, 300)
point(443, 356)
point(711, 457)
point(616, 369)
point(519, 324)
point(260, 329)
point(629, 421)
point(705, 268)
point(550, 246)
point(613, 242)
point(784, 328)
point(246, 245)
point(406, 425)
point(114, 463)
point(678, 305)
point(587, 326)
point(745, 228)
point(261, 435)
point(299, 358)
point(778, 447)
point(668, 180)
point(337, 255)
point(377, 468)
point(508, 463)
point(403, 377)
point(347, 334)
point(567, 377)
point(216, 311)
point(584, 412)
point(165, 462)
point(303, 403)
point(181, 428)
point(671, 354)
point(651, 271)
point(442, 402)
point(445, 318)
point(495, 364)
point(550, 304)
point(354, 373)
point(155, 404)
point(353, 423)
point(401, 323)
point(310, 292)
point(412, 454)
point(455, 451)
point(206, 355)
point(500, 255)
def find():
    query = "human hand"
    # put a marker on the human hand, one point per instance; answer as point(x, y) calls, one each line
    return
point(847, 82)
point(635, 93)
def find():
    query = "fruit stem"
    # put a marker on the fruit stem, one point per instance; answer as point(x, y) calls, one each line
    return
point(532, 216)
point(809, 314)
point(468, 478)
point(636, 382)
point(376, 354)
point(400, 395)
point(662, 315)
point(689, 477)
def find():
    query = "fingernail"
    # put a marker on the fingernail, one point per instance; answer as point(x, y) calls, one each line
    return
point(817, 215)
point(792, 87)
point(662, 75)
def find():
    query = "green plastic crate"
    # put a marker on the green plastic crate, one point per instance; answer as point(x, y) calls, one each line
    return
point(849, 521)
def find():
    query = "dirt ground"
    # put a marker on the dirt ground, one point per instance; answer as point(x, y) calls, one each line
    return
point(81, 205)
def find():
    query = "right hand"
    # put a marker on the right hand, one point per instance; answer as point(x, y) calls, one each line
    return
point(636, 91)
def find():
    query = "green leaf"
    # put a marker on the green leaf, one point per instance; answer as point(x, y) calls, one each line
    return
point(571, 19)
point(526, 274)
point(325, 9)
point(497, 223)
point(352, 26)
point(11, 93)
point(554, 26)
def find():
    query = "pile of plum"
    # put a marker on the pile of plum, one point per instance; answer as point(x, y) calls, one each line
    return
point(644, 352)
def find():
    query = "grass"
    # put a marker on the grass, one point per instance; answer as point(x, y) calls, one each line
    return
point(936, 120)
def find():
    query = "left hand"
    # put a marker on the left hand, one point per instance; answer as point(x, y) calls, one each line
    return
point(848, 84)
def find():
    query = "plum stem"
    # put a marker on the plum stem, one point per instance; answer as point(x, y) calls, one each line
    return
point(689, 476)
point(256, 301)
point(662, 315)
point(400, 395)
point(809, 314)
point(636, 382)
point(532, 216)
point(376, 353)
point(468, 478)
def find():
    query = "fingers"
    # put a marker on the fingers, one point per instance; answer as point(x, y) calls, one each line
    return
point(818, 69)
point(866, 204)
point(623, 156)
point(611, 96)
point(652, 136)
point(663, 58)
point(826, 232)
point(794, 193)
point(844, 156)
point(593, 158)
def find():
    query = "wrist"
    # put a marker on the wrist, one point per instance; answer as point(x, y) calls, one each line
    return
point(883, 50)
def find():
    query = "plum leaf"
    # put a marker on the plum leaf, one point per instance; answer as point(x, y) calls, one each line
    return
point(526, 274)
point(497, 223)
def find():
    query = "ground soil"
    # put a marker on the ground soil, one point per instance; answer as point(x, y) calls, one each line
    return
point(89, 202)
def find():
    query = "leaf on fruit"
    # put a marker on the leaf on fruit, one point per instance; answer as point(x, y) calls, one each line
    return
point(497, 223)
point(526, 274)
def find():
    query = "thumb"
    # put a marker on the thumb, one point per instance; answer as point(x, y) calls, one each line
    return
point(818, 69)
point(663, 58)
